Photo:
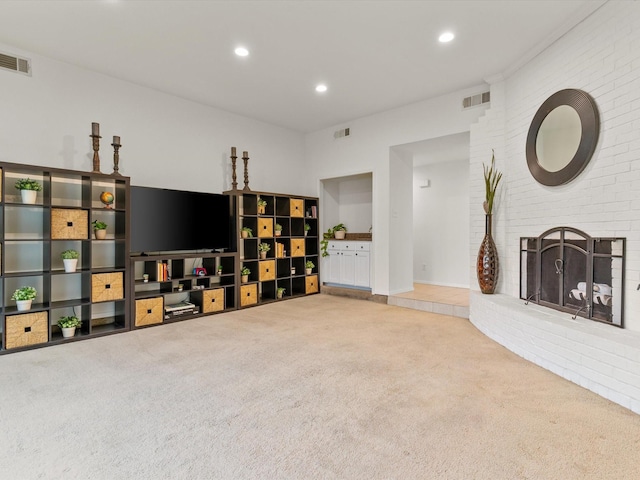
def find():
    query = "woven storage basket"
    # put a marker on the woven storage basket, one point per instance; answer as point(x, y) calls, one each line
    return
point(297, 247)
point(107, 287)
point(27, 329)
point(311, 284)
point(265, 227)
point(69, 224)
point(149, 311)
point(248, 295)
point(267, 270)
point(213, 300)
point(297, 207)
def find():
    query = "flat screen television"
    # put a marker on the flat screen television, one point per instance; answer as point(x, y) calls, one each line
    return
point(166, 220)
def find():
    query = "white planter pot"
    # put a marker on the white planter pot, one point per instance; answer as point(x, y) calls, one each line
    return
point(309, 270)
point(70, 264)
point(23, 305)
point(68, 332)
point(100, 234)
point(263, 255)
point(244, 278)
point(339, 234)
point(29, 196)
point(278, 233)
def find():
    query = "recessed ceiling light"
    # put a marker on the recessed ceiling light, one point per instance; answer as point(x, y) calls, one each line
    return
point(446, 37)
point(321, 88)
point(241, 52)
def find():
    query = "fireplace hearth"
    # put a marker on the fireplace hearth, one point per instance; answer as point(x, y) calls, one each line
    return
point(566, 269)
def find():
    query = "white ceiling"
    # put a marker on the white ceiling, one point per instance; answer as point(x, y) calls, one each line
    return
point(373, 55)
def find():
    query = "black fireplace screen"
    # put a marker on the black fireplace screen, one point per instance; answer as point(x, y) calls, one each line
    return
point(570, 271)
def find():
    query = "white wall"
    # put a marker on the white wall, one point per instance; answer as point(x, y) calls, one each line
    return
point(167, 141)
point(441, 224)
point(348, 200)
point(368, 149)
point(599, 56)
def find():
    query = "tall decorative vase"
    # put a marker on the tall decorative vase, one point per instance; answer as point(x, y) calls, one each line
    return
point(487, 265)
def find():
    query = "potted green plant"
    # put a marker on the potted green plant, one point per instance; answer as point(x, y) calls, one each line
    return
point(339, 231)
point(244, 273)
point(307, 227)
point(264, 248)
point(262, 206)
point(219, 269)
point(278, 229)
point(68, 325)
point(28, 190)
point(331, 233)
point(246, 232)
point(280, 292)
point(70, 260)
point(309, 266)
point(24, 296)
point(99, 229)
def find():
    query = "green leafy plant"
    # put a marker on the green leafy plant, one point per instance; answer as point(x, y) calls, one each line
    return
point(264, 247)
point(309, 264)
point(69, 322)
point(307, 227)
point(28, 184)
point(328, 235)
point(245, 271)
point(281, 291)
point(248, 231)
point(278, 227)
point(69, 254)
point(219, 269)
point(491, 180)
point(98, 225)
point(24, 293)
point(261, 202)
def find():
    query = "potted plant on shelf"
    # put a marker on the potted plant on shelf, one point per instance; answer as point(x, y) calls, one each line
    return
point(219, 269)
point(278, 229)
point(280, 292)
point(99, 229)
point(24, 296)
point(338, 232)
point(68, 325)
point(309, 266)
point(244, 273)
point(246, 232)
point(264, 248)
point(28, 190)
point(262, 206)
point(70, 260)
point(307, 227)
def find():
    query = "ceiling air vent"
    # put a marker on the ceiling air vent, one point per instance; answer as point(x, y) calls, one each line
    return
point(15, 64)
point(341, 133)
point(475, 100)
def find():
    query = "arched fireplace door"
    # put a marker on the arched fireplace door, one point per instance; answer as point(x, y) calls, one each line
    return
point(570, 271)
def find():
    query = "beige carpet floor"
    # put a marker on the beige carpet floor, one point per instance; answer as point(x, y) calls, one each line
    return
point(313, 388)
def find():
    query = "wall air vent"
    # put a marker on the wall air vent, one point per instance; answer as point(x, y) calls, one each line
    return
point(341, 133)
point(475, 100)
point(15, 64)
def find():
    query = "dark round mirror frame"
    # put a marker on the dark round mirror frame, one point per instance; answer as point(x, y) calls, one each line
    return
point(590, 122)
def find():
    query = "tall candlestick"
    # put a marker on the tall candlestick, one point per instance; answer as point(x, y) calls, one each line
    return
point(234, 178)
point(95, 128)
point(95, 135)
point(245, 157)
point(116, 155)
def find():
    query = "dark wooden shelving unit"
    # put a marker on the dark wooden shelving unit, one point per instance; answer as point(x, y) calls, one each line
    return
point(32, 237)
point(284, 265)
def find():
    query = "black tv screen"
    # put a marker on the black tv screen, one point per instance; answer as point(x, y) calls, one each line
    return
point(165, 220)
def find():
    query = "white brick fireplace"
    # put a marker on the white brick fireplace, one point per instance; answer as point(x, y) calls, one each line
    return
point(601, 56)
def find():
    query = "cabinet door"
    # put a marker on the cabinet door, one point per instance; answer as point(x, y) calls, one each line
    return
point(333, 270)
point(347, 267)
point(362, 269)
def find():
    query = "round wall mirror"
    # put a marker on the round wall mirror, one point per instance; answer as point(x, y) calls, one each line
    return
point(562, 137)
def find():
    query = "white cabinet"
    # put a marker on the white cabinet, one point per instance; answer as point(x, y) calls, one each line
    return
point(349, 263)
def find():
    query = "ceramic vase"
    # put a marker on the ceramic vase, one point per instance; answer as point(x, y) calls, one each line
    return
point(487, 264)
point(70, 264)
point(100, 234)
point(68, 332)
point(29, 196)
point(23, 305)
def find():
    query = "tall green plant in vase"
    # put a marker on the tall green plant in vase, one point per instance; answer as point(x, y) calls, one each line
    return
point(487, 263)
